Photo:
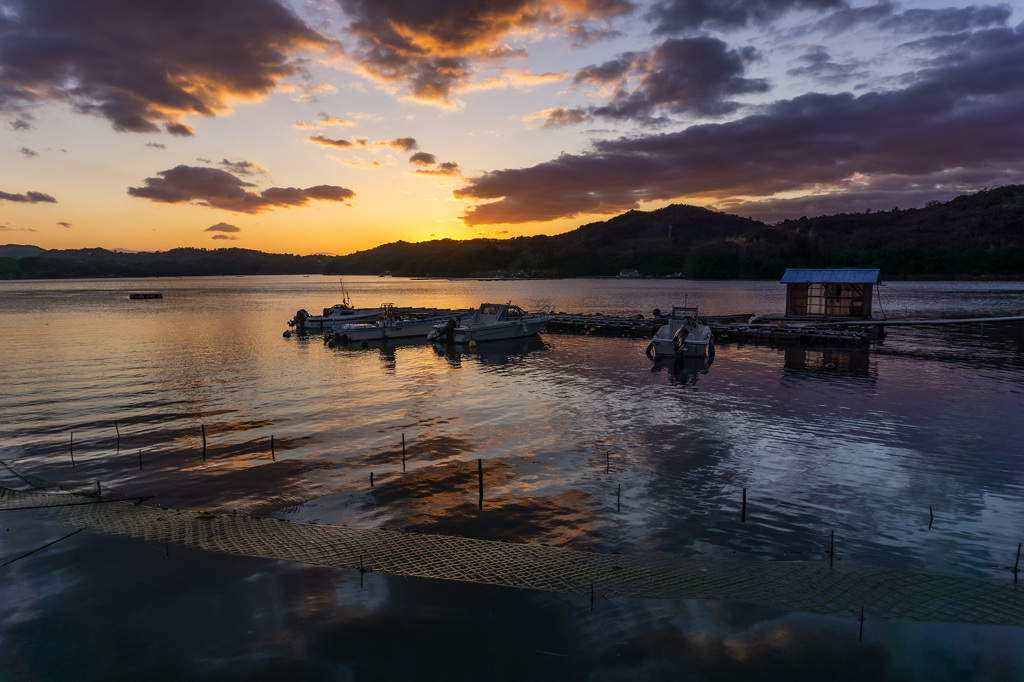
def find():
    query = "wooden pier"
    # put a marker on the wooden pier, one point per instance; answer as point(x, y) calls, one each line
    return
point(733, 328)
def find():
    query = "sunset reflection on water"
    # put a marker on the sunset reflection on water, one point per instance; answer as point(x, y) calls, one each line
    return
point(583, 442)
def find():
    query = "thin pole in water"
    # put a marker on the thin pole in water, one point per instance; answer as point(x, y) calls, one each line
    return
point(118, 437)
point(480, 479)
point(861, 638)
point(203, 427)
point(618, 499)
point(272, 448)
point(403, 452)
point(608, 462)
point(743, 514)
point(1016, 564)
point(931, 517)
point(371, 479)
point(831, 549)
point(71, 446)
point(140, 460)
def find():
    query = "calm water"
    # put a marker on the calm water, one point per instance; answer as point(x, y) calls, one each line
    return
point(859, 442)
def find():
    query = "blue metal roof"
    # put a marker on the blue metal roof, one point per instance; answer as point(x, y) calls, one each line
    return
point(831, 276)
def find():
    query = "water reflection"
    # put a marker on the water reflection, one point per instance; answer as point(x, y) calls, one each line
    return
point(828, 362)
point(683, 371)
point(504, 352)
point(859, 442)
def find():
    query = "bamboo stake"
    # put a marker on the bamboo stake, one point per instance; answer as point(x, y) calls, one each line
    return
point(480, 479)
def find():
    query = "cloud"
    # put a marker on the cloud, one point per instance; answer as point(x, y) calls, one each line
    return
point(156, 145)
point(223, 227)
point(962, 111)
point(681, 76)
point(220, 189)
point(422, 159)
point(323, 120)
point(404, 144)
point(242, 167)
point(145, 65)
point(64, 224)
point(29, 153)
point(337, 143)
point(432, 47)
point(558, 117)
point(674, 16)
point(447, 169)
point(224, 236)
point(816, 63)
point(28, 198)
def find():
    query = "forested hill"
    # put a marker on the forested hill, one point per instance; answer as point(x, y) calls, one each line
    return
point(32, 262)
point(980, 235)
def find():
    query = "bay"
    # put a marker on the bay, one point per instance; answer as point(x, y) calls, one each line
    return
point(862, 443)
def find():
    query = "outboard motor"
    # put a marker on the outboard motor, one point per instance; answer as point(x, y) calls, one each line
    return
point(449, 329)
point(299, 322)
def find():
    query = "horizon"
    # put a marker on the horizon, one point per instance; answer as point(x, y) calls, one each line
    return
point(340, 126)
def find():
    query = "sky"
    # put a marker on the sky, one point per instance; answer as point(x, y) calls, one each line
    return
point(331, 126)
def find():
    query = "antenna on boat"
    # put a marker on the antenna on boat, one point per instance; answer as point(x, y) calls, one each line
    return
point(344, 294)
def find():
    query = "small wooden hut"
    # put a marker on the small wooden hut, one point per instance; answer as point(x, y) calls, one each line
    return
point(833, 293)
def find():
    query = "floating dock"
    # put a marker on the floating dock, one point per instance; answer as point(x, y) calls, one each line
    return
point(742, 328)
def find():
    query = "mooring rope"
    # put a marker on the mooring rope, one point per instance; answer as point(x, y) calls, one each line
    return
point(814, 587)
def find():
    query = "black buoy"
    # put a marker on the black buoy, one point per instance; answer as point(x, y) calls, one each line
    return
point(287, 334)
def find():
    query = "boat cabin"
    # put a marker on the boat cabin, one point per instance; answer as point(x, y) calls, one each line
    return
point(830, 293)
point(494, 312)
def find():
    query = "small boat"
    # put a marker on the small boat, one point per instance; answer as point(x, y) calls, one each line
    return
point(490, 322)
point(390, 325)
point(145, 295)
point(685, 335)
point(337, 315)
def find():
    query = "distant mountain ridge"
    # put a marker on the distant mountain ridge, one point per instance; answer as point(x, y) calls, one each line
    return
point(978, 235)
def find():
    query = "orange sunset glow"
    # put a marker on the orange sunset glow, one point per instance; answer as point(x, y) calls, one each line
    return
point(334, 126)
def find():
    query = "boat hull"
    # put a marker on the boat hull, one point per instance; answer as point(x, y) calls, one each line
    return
point(498, 331)
point(406, 329)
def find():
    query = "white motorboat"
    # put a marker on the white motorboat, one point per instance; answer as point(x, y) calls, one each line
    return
point(337, 315)
point(491, 322)
point(389, 325)
point(684, 336)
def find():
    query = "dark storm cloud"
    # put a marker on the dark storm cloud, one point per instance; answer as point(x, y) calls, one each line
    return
point(431, 47)
point(28, 198)
point(675, 16)
point(681, 75)
point(220, 189)
point(963, 112)
point(145, 65)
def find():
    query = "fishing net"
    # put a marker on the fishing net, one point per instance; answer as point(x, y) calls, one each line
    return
point(814, 587)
